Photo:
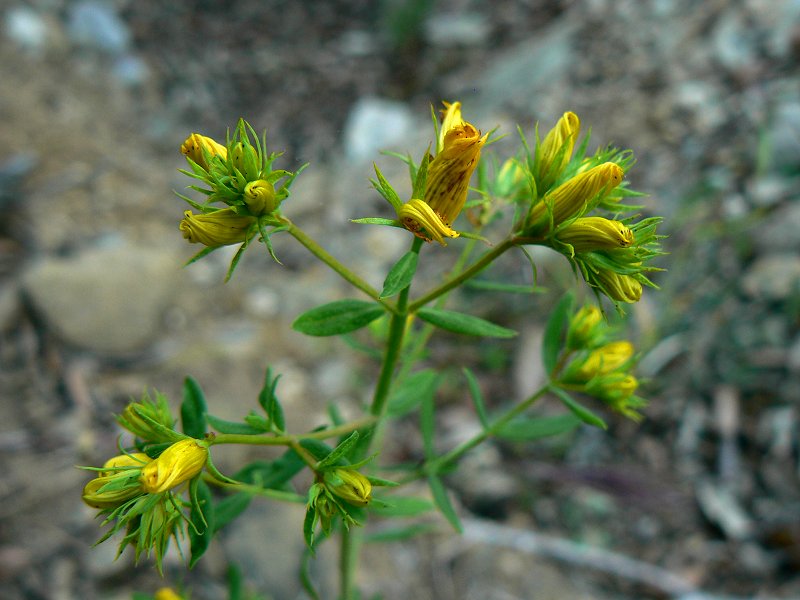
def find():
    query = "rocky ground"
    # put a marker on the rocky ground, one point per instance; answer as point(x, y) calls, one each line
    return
point(96, 98)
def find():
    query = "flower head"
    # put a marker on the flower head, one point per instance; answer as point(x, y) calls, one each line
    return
point(622, 288)
point(259, 197)
point(118, 483)
point(201, 149)
point(604, 360)
point(219, 228)
point(180, 462)
point(148, 419)
point(595, 233)
point(166, 593)
point(583, 327)
point(349, 485)
point(556, 149)
point(572, 198)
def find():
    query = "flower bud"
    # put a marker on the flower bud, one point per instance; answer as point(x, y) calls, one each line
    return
point(180, 462)
point(112, 489)
point(602, 361)
point(450, 170)
point(622, 288)
point(582, 326)
point(613, 390)
point(595, 233)
point(349, 485)
point(115, 464)
point(132, 418)
point(198, 147)
point(166, 593)
point(571, 198)
point(419, 219)
point(508, 179)
point(556, 149)
point(259, 196)
point(245, 160)
point(220, 228)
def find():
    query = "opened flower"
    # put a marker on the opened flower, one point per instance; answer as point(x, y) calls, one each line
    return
point(180, 462)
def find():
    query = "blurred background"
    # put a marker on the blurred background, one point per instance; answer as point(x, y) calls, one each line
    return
point(95, 308)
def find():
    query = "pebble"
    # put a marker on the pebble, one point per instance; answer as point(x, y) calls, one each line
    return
point(773, 277)
point(97, 25)
point(26, 28)
point(105, 300)
point(375, 124)
point(458, 29)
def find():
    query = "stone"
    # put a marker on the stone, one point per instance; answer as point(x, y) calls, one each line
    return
point(106, 300)
point(97, 25)
point(375, 124)
point(773, 277)
point(459, 29)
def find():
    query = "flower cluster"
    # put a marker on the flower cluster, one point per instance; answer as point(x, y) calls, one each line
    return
point(599, 366)
point(140, 493)
point(242, 190)
point(567, 192)
point(336, 492)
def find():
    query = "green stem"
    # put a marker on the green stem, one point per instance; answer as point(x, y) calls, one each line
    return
point(287, 440)
point(256, 490)
point(322, 254)
point(478, 266)
point(397, 329)
point(436, 464)
point(347, 563)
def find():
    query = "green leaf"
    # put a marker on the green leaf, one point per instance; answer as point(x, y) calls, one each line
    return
point(378, 221)
point(193, 409)
point(234, 583)
point(257, 422)
point(461, 323)
point(427, 426)
point(305, 575)
point(400, 275)
point(413, 390)
point(421, 176)
point(337, 317)
point(526, 429)
point(340, 451)
point(477, 397)
point(396, 534)
point(497, 286)
point(580, 411)
point(308, 527)
point(201, 520)
point(442, 501)
point(270, 403)
point(403, 506)
point(386, 190)
point(272, 474)
point(229, 508)
point(554, 333)
point(224, 426)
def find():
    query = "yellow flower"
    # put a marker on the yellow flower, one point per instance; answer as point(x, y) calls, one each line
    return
point(558, 144)
point(219, 228)
point(604, 360)
point(197, 147)
point(583, 325)
point(259, 196)
point(622, 288)
point(166, 593)
point(349, 485)
point(136, 459)
point(180, 462)
point(571, 197)
point(459, 149)
point(596, 233)
point(115, 487)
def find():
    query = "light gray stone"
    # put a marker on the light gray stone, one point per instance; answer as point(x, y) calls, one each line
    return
point(375, 124)
point(107, 300)
point(773, 277)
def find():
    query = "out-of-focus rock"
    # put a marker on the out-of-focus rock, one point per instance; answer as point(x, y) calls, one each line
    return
point(375, 124)
point(459, 29)
point(107, 300)
point(773, 277)
point(97, 25)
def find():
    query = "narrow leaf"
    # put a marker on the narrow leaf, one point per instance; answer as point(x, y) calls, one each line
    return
point(554, 333)
point(580, 411)
point(340, 451)
point(403, 506)
point(477, 397)
point(416, 388)
point(193, 409)
point(427, 426)
point(224, 426)
point(497, 286)
point(442, 501)
point(527, 429)
point(337, 317)
point(229, 508)
point(270, 403)
point(201, 518)
point(400, 275)
point(462, 323)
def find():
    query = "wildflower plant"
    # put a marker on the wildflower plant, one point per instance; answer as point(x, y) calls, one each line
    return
point(555, 194)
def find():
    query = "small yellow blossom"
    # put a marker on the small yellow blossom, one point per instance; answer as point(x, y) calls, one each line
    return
point(259, 196)
point(111, 490)
point(622, 288)
point(560, 139)
point(197, 146)
point(349, 485)
point(136, 459)
point(166, 593)
point(447, 184)
point(219, 228)
point(180, 462)
point(604, 360)
point(583, 325)
point(596, 233)
point(571, 197)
